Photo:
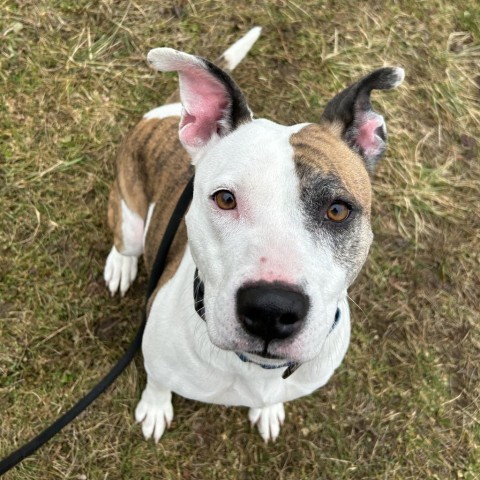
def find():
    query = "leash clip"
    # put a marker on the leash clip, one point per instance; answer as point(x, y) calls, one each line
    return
point(290, 369)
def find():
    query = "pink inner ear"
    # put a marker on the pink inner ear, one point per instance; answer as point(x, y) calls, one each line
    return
point(367, 137)
point(205, 101)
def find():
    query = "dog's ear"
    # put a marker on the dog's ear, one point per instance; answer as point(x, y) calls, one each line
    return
point(361, 128)
point(213, 104)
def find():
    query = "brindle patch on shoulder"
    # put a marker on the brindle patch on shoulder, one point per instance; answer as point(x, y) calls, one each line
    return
point(319, 149)
point(148, 161)
point(152, 167)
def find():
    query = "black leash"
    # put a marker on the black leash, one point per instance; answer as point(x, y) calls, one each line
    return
point(159, 265)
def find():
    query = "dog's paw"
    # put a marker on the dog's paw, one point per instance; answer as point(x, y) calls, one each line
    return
point(120, 271)
point(268, 420)
point(155, 414)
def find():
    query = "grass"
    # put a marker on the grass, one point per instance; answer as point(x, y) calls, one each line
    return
point(73, 79)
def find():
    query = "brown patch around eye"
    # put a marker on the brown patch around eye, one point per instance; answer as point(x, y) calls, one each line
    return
point(320, 148)
point(337, 212)
point(225, 200)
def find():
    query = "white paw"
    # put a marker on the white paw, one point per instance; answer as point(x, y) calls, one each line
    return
point(120, 271)
point(155, 416)
point(268, 420)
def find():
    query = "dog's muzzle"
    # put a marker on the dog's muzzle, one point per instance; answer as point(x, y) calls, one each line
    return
point(269, 311)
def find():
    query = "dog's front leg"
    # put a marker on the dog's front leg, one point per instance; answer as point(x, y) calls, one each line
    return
point(268, 420)
point(154, 411)
point(128, 230)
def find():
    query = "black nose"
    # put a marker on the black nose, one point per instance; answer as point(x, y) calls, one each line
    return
point(271, 310)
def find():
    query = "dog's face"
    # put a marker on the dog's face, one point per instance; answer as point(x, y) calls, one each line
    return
point(279, 225)
point(283, 184)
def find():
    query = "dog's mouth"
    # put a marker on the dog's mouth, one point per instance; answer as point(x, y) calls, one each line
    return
point(264, 354)
point(265, 359)
point(270, 363)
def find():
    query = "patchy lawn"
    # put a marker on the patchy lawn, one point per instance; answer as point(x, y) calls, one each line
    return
point(73, 80)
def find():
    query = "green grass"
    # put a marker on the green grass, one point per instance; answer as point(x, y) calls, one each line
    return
point(73, 80)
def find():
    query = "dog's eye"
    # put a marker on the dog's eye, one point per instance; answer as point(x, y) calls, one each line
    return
point(225, 200)
point(338, 212)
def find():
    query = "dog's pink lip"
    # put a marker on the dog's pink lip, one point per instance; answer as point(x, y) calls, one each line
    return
point(269, 359)
point(270, 356)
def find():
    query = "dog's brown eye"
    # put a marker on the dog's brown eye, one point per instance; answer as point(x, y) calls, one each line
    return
point(338, 212)
point(225, 200)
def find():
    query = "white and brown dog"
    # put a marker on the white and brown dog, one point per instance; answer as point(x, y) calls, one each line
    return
point(278, 229)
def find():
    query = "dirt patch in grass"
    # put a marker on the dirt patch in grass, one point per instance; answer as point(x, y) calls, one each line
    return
point(73, 80)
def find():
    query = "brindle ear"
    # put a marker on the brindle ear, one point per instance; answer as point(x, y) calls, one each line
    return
point(363, 129)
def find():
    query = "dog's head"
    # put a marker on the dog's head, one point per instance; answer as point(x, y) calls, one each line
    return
point(279, 225)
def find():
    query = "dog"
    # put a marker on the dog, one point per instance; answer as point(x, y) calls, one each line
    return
point(252, 309)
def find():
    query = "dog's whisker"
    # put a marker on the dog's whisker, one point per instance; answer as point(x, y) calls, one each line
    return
point(357, 305)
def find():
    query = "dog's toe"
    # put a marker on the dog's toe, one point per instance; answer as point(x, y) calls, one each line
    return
point(268, 420)
point(120, 271)
point(154, 425)
point(155, 415)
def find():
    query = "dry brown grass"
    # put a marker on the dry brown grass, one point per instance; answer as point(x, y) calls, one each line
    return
point(73, 79)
